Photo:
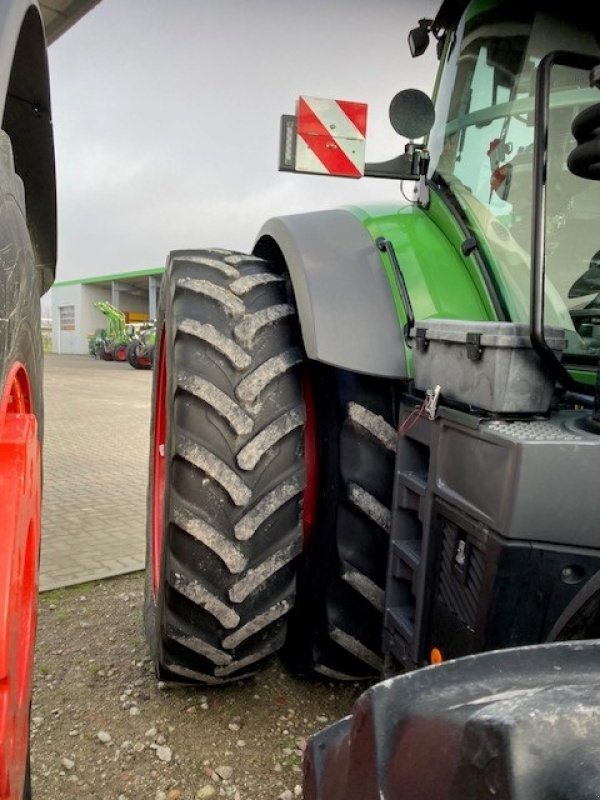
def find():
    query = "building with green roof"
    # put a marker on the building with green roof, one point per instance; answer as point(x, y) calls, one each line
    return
point(74, 316)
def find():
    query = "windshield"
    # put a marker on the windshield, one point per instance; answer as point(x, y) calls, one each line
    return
point(482, 147)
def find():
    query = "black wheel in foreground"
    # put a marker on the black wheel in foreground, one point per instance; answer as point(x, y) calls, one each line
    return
point(226, 468)
point(469, 728)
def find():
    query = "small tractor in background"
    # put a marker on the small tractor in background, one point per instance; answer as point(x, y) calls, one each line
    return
point(111, 343)
point(140, 350)
point(95, 342)
point(375, 441)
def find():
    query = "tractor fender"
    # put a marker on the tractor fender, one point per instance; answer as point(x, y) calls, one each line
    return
point(344, 301)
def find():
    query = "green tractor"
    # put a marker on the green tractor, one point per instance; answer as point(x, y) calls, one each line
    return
point(375, 440)
point(140, 350)
point(96, 342)
point(111, 343)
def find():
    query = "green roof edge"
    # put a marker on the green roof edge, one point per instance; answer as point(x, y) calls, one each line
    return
point(121, 276)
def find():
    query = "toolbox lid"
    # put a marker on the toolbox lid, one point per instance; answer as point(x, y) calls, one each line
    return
point(489, 334)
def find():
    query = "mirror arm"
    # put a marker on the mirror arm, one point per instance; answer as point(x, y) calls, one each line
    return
point(410, 166)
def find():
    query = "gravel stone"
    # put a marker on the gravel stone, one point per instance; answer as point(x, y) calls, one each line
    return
point(206, 791)
point(68, 763)
point(164, 753)
point(224, 772)
point(122, 763)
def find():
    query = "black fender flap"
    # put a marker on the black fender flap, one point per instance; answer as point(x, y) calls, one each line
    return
point(521, 724)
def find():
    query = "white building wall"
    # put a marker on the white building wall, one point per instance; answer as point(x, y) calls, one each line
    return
point(66, 341)
point(86, 318)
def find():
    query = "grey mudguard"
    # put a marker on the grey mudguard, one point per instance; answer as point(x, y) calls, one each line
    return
point(342, 293)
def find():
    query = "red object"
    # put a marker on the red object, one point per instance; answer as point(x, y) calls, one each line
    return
point(311, 459)
point(20, 504)
point(499, 175)
point(356, 113)
point(120, 352)
point(159, 463)
point(318, 138)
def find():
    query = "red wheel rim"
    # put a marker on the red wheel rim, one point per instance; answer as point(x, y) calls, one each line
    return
point(120, 353)
point(20, 499)
point(159, 463)
point(28, 612)
point(17, 397)
point(311, 459)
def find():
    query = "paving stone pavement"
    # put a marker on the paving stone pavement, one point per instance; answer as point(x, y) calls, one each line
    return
point(97, 417)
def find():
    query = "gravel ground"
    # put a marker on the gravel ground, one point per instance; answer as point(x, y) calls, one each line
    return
point(103, 728)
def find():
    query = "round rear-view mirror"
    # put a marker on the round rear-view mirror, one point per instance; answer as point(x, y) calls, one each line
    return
point(411, 113)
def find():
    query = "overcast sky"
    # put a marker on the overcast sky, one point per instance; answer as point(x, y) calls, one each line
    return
point(166, 118)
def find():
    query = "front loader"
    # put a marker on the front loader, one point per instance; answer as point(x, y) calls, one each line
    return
point(374, 440)
point(113, 341)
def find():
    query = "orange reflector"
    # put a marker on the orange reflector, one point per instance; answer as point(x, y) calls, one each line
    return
point(435, 657)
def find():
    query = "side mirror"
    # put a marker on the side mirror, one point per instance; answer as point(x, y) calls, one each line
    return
point(412, 114)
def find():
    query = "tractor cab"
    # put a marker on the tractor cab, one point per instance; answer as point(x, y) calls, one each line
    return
point(513, 78)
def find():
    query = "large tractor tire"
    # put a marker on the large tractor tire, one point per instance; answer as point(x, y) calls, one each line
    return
point(336, 626)
point(347, 423)
point(226, 468)
point(20, 474)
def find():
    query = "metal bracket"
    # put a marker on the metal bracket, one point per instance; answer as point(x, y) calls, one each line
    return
point(432, 397)
point(421, 340)
point(474, 348)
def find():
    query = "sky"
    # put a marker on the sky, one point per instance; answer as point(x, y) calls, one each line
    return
point(166, 118)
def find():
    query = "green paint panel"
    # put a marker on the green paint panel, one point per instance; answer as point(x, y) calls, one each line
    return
point(440, 282)
point(584, 376)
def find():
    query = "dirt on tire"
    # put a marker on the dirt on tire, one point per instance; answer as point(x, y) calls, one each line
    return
point(103, 728)
point(224, 512)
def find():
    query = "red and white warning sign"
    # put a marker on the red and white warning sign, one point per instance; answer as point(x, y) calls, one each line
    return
point(330, 137)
